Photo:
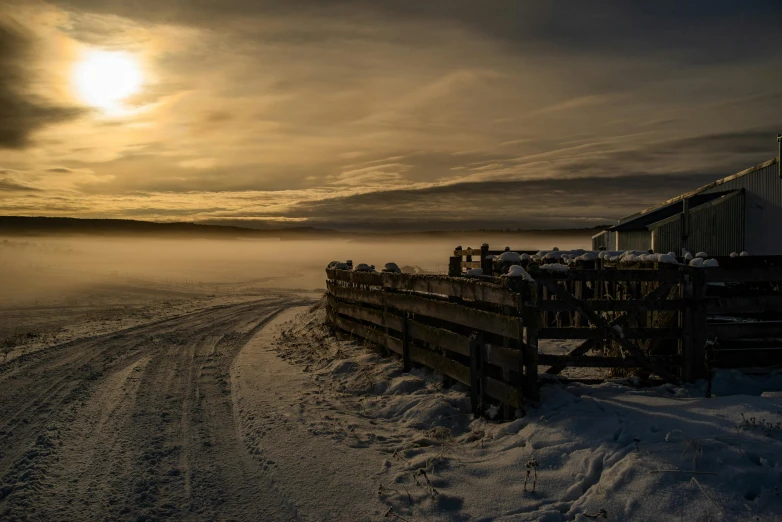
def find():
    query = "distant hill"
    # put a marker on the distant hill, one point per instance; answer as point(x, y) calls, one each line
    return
point(64, 226)
point(483, 234)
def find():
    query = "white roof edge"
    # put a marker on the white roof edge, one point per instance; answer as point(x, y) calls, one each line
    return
point(713, 184)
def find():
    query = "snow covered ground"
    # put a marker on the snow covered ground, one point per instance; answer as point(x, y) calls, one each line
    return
point(407, 448)
point(242, 407)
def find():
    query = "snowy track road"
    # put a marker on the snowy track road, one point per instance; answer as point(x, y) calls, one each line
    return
point(135, 425)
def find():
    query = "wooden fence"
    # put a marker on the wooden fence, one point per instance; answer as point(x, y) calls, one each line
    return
point(466, 258)
point(485, 332)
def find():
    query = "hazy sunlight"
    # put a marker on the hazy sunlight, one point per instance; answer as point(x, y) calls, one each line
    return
point(103, 79)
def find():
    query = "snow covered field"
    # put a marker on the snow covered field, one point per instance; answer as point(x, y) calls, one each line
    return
point(126, 399)
point(610, 451)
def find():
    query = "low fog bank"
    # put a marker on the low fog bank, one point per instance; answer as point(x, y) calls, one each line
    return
point(40, 270)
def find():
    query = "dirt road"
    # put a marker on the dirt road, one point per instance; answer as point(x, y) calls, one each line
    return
point(135, 425)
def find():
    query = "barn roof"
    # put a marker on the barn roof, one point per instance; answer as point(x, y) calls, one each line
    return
point(671, 205)
point(665, 211)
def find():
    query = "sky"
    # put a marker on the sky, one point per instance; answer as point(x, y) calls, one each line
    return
point(387, 114)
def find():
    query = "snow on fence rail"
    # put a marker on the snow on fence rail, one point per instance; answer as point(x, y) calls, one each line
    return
point(484, 332)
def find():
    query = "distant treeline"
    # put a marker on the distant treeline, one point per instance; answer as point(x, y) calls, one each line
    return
point(64, 226)
point(485, 234)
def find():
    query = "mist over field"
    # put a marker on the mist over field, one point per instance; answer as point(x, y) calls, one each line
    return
point(51, 284)
point(37, 269)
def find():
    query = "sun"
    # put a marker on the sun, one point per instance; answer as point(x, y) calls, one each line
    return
point(104, 78)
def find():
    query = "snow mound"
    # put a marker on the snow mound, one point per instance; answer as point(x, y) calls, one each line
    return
point(475, 272)
point(587, 256)
point(702, 255)
point(510, 257)
point(734, 254)
point(518, 271)
point(744, 253)
point(657, 258)
point(698, 261)
point(711, 262)
point(392, 268)
point(363, 267)
point(688, 257)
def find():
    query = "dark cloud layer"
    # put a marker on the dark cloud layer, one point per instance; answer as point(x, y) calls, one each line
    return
point(548, 203)
point(696, 31)
point(21, 113)
point(401, 113)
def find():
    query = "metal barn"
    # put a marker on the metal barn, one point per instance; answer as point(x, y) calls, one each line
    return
point(740, 212)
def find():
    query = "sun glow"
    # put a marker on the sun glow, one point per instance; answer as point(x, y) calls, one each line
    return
point(103, 79)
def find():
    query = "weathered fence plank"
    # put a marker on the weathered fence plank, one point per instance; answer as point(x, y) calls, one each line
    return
point(360, 295)
point(642, 274)
point(439, 337)
point(744, 305)
point(753, 275)
point(366, 314)
point(658, 293)
point(760, 329)
point(613, 305)
point(752, 358)
point(453, 369)
point(607, 333)
point(476, 319)
point(399, 311)
point(454, 313)
point(590, 361)
point(615, 333)
point(503, 357)
point(450, 286)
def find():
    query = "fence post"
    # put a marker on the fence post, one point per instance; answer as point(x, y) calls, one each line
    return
point(476, 374)
point(330, 319)
point(507, 342)
point(455, 266)
point(698, 324)
point(530, 382)
point(405, 345)
point(686, 325)
point(486, 264)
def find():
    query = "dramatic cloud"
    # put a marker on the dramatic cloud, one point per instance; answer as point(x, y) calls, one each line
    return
point(390, 113)
point(21, 113)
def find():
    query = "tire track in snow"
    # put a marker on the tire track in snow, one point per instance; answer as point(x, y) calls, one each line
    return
point(72, 449)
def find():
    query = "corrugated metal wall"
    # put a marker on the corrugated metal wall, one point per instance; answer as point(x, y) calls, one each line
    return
point(667, 236)
point(716, 228)
point(635, 240)
point(605, 239)
point(763, 209)
point(763, 226)
point(600, 240)
point(763, 182)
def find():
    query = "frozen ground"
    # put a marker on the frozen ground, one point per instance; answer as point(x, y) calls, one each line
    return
point(240, 407)
point(120, 408)
point(408, 448)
